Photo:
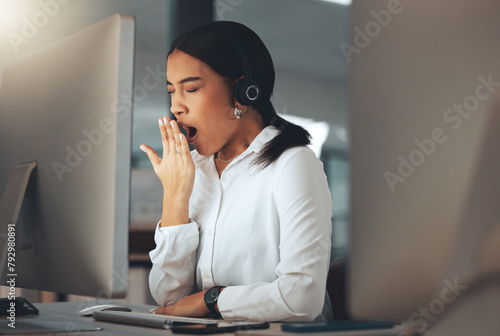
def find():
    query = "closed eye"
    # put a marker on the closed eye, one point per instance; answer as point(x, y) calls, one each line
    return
point(192, 90)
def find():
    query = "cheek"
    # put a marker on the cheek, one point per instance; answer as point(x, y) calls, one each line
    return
point(218, 97)
point(212, 112)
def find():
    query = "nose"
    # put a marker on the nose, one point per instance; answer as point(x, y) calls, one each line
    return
point(178, 107)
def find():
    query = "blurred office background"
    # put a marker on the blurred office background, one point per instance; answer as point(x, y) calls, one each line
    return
point(303, 37)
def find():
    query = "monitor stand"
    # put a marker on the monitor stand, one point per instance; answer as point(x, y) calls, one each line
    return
point(10, 207)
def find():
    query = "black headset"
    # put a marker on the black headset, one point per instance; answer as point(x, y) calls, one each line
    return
point(246, 90)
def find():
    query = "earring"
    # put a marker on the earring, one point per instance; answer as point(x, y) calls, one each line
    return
point(237, 112)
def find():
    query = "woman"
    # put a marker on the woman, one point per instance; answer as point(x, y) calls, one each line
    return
point(245, 230)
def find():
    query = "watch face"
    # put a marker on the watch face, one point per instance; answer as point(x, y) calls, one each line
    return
point(211, 295)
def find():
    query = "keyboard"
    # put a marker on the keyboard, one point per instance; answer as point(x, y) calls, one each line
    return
point(147, 320)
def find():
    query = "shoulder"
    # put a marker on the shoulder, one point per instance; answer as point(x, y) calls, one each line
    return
point(299, 166)
point(301, 156)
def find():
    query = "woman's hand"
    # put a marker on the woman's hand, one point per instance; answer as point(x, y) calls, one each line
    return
point(175, 169)
point(189, 306)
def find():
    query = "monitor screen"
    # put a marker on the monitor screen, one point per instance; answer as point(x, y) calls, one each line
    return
point(425, 169)
point(68, 108)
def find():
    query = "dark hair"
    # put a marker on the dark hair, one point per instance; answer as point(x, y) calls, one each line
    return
point(212, 45)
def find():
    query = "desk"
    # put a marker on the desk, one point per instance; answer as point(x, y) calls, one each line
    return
point(68, 312)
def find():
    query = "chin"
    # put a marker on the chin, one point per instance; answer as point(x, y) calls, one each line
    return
point(201, 150)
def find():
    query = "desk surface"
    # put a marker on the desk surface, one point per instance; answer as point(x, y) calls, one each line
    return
point(68, 313)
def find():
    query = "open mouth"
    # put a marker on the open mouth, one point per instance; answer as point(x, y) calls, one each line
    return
point(191, 133)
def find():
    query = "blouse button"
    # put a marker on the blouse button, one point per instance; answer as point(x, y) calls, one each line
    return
point(207, 275)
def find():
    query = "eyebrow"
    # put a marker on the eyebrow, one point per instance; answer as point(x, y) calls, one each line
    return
point(185, 80)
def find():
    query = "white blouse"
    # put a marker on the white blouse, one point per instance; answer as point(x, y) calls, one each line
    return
point(265, 234)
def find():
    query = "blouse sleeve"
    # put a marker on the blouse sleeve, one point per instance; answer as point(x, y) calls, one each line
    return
point(174, 260)
point(304, 205)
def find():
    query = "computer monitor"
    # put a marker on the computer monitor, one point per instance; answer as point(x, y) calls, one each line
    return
point(424, 153)
point(66, 110)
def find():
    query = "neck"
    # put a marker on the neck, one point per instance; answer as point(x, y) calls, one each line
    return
point(243, 136)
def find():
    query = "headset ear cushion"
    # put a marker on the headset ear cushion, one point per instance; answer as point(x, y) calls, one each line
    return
point(247, 92)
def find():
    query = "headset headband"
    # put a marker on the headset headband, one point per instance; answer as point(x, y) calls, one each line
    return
point(246, 91)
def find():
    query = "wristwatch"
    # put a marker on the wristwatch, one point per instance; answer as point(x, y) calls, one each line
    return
point(211, 296)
